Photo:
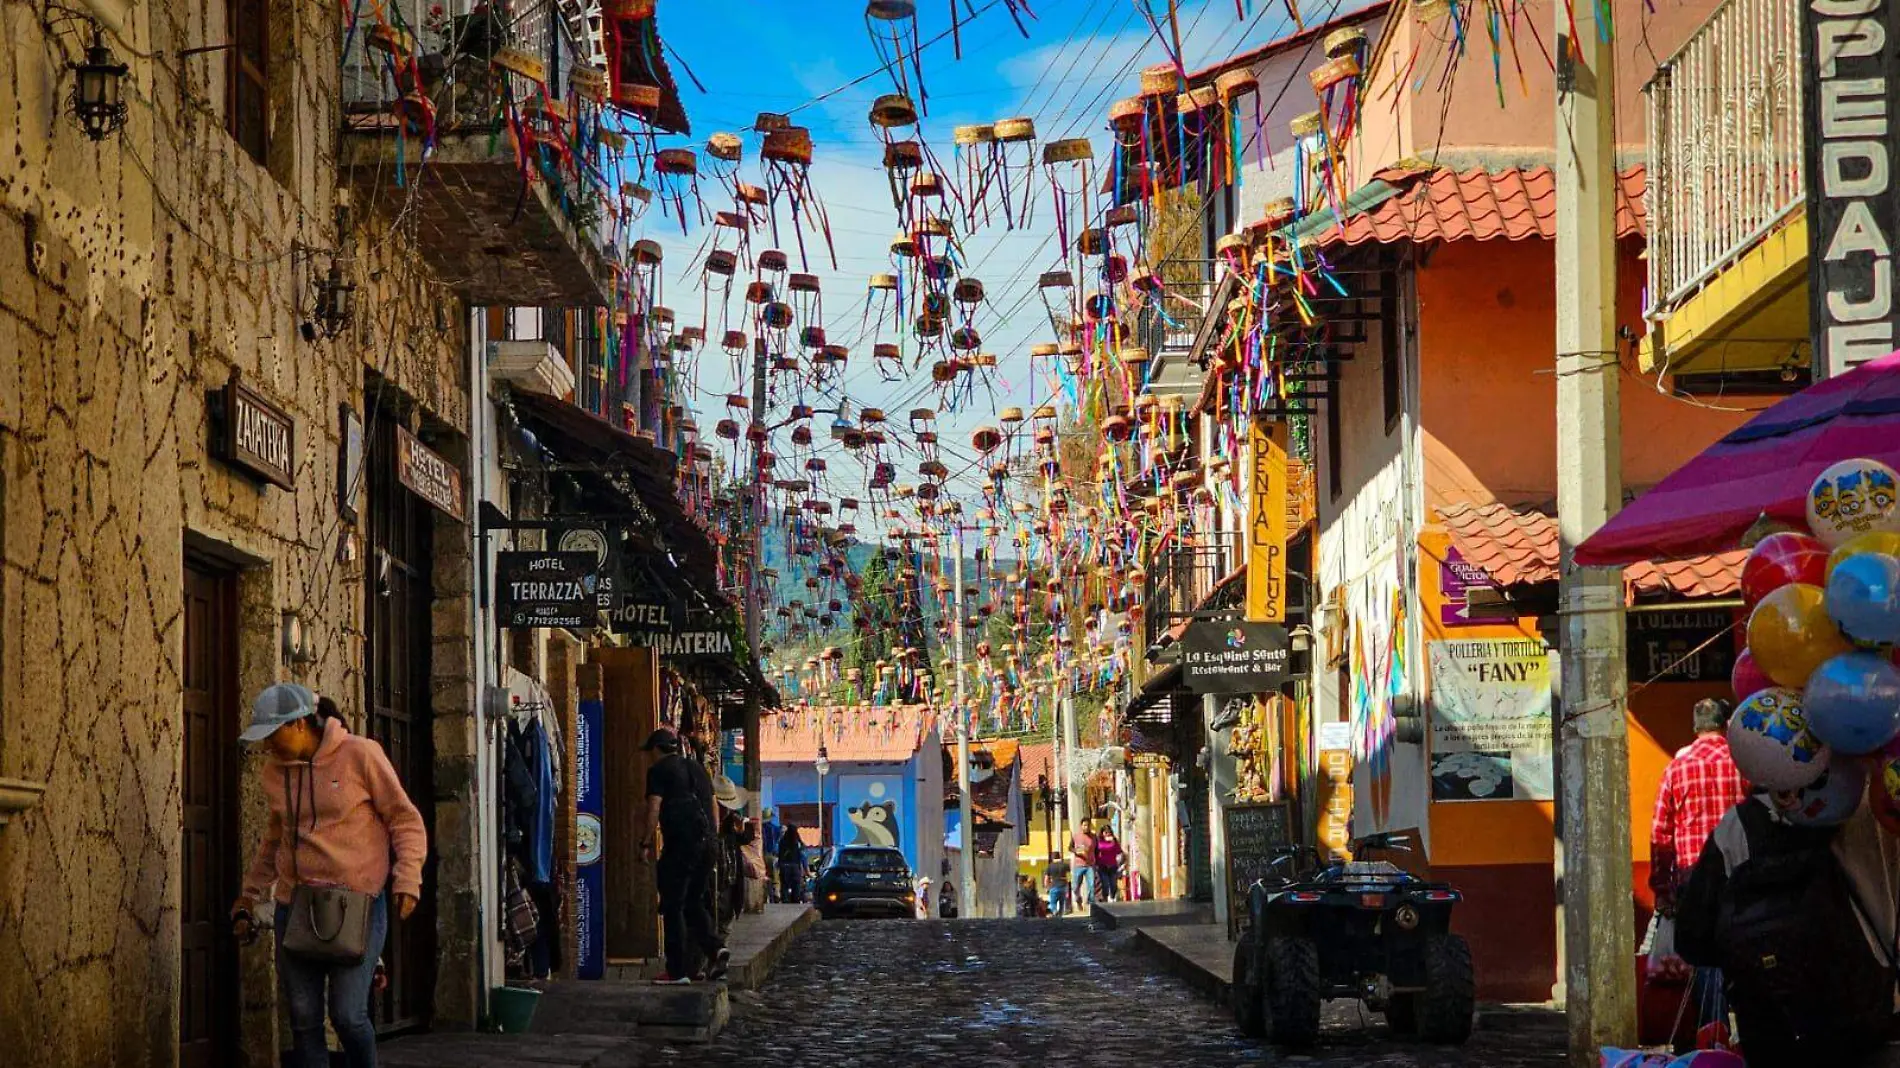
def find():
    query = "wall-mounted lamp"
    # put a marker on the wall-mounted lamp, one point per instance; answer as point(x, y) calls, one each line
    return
point(296, 646)
point(336, 299)
point(98, 100)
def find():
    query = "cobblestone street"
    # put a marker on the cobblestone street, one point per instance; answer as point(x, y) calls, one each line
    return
point(1027, 992)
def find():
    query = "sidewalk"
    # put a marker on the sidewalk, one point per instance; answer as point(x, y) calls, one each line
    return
point(581, 1024)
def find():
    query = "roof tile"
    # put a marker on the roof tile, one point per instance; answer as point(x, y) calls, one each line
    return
point(1518, 546)
point(889, 733)
point(1439, 204)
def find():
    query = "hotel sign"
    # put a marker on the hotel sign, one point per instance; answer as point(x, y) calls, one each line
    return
point(1848, 85)
point(429, 476)
point(258, 436)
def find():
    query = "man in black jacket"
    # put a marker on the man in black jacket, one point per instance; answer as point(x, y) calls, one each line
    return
point(680, 810)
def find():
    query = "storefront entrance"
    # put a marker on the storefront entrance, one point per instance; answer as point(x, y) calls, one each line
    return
point(396, 685)
point(208, 988)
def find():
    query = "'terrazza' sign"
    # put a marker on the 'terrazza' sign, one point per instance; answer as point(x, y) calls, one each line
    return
point(1848, 93)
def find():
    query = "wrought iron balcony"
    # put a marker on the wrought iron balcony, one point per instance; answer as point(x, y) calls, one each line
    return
point(1183, 577)
point(456, 117)
point(1725, 145)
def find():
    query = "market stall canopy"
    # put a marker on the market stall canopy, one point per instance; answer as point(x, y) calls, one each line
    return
point(1764, 467)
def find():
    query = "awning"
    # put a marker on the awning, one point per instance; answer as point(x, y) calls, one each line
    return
point(636, 468)
point(1519, 546)
point(1417, 203)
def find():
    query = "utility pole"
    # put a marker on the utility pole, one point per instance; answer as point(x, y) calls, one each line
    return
point(754, 605)
point(966, 855)
point(1078, 797)
point(1593, 863)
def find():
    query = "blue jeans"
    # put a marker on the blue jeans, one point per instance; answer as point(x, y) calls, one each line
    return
point(303, 983)
point(1082, 880)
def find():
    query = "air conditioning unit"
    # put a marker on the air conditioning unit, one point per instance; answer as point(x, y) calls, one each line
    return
point(530, 366)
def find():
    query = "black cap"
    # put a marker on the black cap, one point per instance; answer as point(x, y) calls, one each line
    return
point(665, 739)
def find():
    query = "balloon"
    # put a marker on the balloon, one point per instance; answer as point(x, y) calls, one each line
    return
point(1779, 559)
point(1769, 740)
point(1853, 702)
point(1863, 598)
point(1883, 789)
point(1790, 634)
point(1829, 799)
point(1747, 677)
point(1854, 497)
point(1879, 541)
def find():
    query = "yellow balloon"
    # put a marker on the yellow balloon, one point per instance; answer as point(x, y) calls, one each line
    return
point(1874, 541)
point(1790, 634)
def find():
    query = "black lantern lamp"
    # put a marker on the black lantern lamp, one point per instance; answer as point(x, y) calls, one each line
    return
point(98, 91)
point(336, 300)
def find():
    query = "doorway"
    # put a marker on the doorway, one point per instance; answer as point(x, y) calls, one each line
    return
point(208, 1009)
point(398, 713)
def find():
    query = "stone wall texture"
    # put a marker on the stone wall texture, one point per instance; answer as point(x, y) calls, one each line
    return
point(136, 275)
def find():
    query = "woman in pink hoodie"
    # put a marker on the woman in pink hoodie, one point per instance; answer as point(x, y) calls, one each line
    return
point(337, 815)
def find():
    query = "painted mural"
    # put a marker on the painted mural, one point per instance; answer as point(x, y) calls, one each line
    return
point(870, 810)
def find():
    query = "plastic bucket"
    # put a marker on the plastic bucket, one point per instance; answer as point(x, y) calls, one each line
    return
point(511, 1008)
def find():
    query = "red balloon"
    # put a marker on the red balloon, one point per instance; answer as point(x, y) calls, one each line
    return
point(1779, 559)
point(1747, 677)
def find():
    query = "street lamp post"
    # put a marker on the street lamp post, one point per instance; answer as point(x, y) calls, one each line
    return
point(823, 765)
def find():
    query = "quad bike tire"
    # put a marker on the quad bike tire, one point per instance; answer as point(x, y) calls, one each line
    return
point(1248, 993)
point(1444, 1007)
point(1293, 991)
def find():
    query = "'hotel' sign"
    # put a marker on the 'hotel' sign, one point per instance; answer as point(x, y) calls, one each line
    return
point(258, 436)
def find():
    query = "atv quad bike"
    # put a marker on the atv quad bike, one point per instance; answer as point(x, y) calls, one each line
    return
point(1363, 929)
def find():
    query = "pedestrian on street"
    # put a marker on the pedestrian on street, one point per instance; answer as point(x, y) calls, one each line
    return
point(772, 832)
point(923, 897)
point(1108, 866)
point(1699, 787)
point(1057, 876)
point(791, 866)
point(735, 833)
point(680, 811)
point(1028, 902)
point(1082, 856)
point(338, 814)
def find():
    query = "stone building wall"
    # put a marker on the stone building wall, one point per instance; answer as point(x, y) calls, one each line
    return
point(138, 274)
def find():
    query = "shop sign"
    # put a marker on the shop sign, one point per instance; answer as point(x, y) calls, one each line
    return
point(349, 467)
point(1848, 90)
point(1681, 645)
point(429, 476)
point(543, 589)
point(1490, 720)
point(1456, 575)
point(690, 644)
point(258, 436)
point(1231, 657)
point(590, 805)
point(1266, 523)
point(644, 614)
point(1255, 836)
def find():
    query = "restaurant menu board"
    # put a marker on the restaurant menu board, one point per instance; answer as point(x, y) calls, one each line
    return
point(1254, 833)
point(1491, 728)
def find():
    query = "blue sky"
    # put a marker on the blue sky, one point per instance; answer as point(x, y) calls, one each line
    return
point(755, 55)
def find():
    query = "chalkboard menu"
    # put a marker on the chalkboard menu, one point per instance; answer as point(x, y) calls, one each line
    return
point(1254, 832)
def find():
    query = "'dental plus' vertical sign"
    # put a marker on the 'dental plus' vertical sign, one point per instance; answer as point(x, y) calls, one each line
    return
point(1848, 95)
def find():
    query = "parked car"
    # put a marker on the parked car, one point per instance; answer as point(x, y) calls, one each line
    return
point(865, 881)
point(1366, 930)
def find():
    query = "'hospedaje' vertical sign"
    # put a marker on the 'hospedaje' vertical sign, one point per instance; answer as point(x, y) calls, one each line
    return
point(1849, 100)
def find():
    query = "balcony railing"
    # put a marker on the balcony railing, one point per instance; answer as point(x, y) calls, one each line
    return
point(455, 45)
point(1183, 575)
point(1188, 287)
point(1724, 144)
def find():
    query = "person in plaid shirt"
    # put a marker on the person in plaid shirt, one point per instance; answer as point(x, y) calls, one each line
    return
point(1698, 788)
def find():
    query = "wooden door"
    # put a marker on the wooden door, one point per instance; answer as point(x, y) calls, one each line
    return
point(399, 713)
point(630, 698)
point(208, 1007)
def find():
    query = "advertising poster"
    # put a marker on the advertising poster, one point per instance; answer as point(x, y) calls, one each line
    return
point(870, 812)
point(590, 878)
point(1491, 729)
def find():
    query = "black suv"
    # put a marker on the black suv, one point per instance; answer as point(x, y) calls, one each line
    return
point(865, 881)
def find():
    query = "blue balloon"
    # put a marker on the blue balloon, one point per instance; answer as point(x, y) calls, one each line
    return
point(1853, 702)
point(1863, 598)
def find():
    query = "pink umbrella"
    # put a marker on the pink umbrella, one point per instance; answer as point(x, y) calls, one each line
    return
point(1763, 467)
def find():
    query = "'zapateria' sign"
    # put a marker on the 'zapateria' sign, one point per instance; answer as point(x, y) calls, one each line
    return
point(1848, 87)
point(258, 436)
point(535, 589)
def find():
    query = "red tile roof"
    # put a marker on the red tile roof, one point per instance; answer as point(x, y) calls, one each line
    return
point(1519, 545)
point(848, 732)
point(1439, 204)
